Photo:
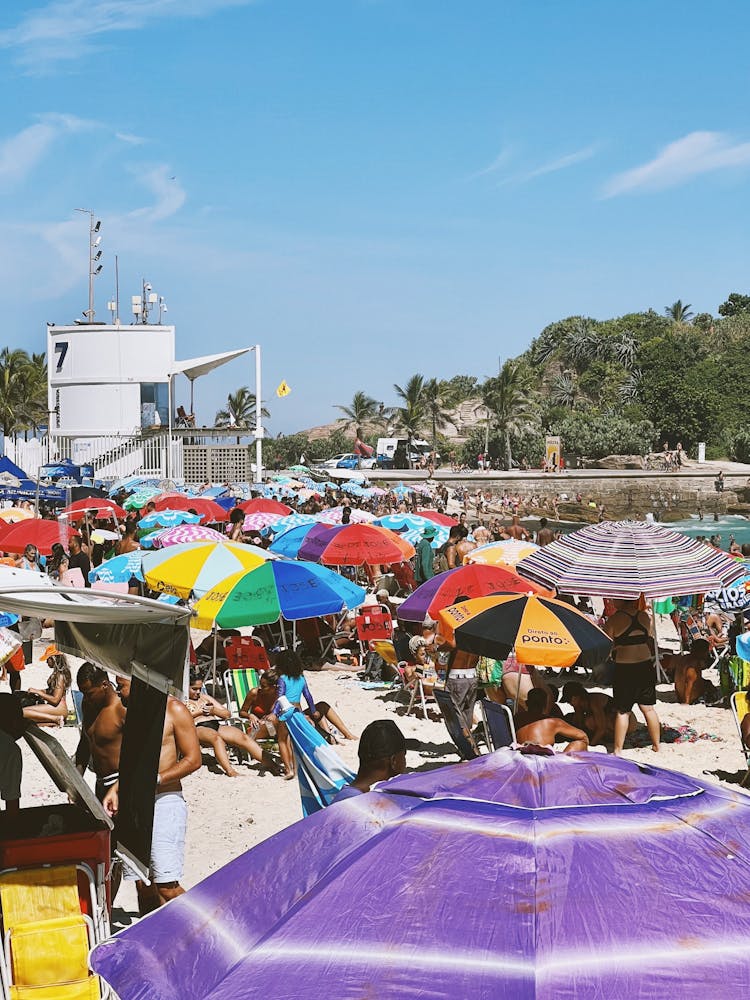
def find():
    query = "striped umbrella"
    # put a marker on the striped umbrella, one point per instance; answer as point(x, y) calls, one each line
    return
point(292, 521)
point(539, 630)
point(167, 519)
point(411, 527)
point(333, 515)
point(196, 567)
point(279, 587)
point(186, 533)
point(509, 552)
point(141, 497)
point(464, 581)
point(356, 545)
point(259, 521)
point(628, 558)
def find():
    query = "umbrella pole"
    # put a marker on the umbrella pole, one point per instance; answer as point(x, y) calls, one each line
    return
point(213, 667)
point(659, 670)
point(283, 630)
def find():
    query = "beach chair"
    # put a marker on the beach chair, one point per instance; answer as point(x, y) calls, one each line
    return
point(246, 652)
point(184, 419)
point(453, 725)
point(740, 707)
point(498, 724)
point(238, 683)
point(47, 936)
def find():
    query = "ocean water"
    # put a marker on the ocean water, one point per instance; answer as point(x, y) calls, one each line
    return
point(728, 524)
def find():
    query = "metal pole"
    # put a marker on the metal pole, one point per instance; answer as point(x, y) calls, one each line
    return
point(169, 425)
point(258, 418)
point(90, 313)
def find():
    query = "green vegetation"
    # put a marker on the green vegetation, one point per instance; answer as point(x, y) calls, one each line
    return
point(23, 391)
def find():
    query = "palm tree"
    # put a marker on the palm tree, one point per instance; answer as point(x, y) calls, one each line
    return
point(411, 416)
point(630, 387)
point(624, 350)
point(564, 389)
point(583, 343)
point(14, 366)
point(31, 399)
point(679, 312)
point(240, 411)
point(438, 399)
point(509, 399)
point(363, 409)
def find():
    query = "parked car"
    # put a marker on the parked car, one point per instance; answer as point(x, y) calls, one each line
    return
point(349, 461)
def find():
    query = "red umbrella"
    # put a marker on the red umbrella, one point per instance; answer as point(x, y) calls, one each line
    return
point(42, 533)
point(96, 507)
point(259, 505)
point(355, 545)
point(438, 518)
point(208, 510)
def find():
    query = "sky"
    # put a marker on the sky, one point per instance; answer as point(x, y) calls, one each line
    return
point(370, 188)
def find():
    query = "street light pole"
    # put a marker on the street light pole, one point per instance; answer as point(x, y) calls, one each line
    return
point(258, 418)
point(94, 257)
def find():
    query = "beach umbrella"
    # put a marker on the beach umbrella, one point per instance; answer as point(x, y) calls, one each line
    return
point(411, 527)
point(438, 518)
point(402, 490)
point(731, 599)
point(141, 497)
point(288, 542)
point(119, 569)
point(35, 531)
point(262, 505)
point(196, 567)
point(464, 581)
point(260, 520)
point(628, 558)
point(509, 552)
point(95, 507)
point(12, 514)
point(209, 510)
point(184, 533)
point(167, 518)
point(281, 587)
point(356, 545)
point(333, 515)
point(292, 521)
point(514, 876)
point(539, 630)
point(131, 484)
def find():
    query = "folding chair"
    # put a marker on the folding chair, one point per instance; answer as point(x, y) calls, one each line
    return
point(453, 725)
point(740, 707)
point(185, 419)
point(46, 935)
point(498, 724)
point(238, 684)
point(246, 652)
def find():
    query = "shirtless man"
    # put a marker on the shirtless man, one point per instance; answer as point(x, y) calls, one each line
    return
point(516, 530)
point(546, 731)
point(464, 546)
point(180, 756)
point(594, 712)
point(545, 535)
point(129, 541)
point(101, 730)
point(451, 546)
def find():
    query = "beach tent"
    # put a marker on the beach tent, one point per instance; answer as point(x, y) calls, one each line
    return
point(578, 876)
point(16, 485)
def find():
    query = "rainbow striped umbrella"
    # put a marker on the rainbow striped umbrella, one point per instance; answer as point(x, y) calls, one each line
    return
point(196, 567)
point(629, 558)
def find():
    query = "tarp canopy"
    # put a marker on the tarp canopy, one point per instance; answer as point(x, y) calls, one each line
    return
point(195, 367)
point(128, 635)
point(7, 467)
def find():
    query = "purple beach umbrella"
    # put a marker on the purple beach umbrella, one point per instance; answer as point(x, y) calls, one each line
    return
point(564, 877)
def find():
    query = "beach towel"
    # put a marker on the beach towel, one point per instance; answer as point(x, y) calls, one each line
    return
point(320, 771)
point(669, 734)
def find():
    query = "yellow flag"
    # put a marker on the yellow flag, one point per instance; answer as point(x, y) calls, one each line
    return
point(283, 390)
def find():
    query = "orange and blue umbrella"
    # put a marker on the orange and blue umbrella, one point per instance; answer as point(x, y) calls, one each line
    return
point(539, 630)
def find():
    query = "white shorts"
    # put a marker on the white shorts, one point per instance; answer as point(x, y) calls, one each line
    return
point(10, 768)
point(168, 841)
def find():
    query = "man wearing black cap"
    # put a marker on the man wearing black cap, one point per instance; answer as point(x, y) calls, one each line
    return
point(382, 755)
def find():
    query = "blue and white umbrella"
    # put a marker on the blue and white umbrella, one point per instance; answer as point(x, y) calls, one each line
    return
point(320, 771)
point(167, 519)
point(119, 569)
point(412, 526)
point(291, 521)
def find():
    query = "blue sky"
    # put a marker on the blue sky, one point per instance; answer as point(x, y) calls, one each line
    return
point(370, 188)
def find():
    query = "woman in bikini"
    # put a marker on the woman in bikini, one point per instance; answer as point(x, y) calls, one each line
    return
point(262, 721)
point(635, 673)
point(52, 706)
point(210, 717)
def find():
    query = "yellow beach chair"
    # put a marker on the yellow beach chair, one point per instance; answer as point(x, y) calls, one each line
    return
point(740, 707)
point(46, 937)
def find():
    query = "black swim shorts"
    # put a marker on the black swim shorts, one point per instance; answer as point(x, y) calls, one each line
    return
point(634, 684)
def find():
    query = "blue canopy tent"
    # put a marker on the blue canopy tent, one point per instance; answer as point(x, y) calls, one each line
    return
point(16, 485)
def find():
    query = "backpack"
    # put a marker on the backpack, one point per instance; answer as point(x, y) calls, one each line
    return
point(440, 560)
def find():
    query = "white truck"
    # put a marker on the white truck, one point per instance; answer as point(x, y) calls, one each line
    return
point(392, 452)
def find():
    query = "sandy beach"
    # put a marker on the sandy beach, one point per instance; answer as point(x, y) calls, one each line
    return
point(227, 816)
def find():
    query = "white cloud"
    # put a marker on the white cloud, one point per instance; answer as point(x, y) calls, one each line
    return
point(169, 195)
point(501, 160)
point(66, 29)
point(130, 139)
point(696, 153)
point(20, 153)
point(562, 162)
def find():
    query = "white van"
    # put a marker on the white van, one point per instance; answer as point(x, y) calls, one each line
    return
point(387, 447)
